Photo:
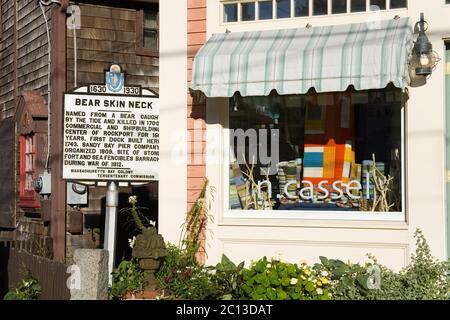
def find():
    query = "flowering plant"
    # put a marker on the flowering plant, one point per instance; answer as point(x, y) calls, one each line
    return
point(276, 280)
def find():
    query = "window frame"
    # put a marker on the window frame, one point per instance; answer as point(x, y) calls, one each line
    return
point(28, 198)
point(140, 26)
point(237, 215)
point(292, 13)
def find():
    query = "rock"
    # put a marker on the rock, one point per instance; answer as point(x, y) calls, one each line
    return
point(93, 275)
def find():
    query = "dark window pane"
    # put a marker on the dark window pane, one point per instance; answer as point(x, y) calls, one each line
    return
point(301, 8)
point(358, 5)
point(339, 6)
point(395, 4)
point(230, 12)
point(150, 39)
point(283, 8)
point(248, 11)
point(378, 4)
point(265, 10)
point(151, 19)
point(320, 7)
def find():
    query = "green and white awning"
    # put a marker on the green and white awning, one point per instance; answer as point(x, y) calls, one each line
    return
point(291, 61)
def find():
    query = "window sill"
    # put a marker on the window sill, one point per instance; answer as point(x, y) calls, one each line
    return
point(319, 219)
point(140, 51)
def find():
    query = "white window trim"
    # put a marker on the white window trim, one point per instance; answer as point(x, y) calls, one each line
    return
point(392, 220)
point(292, 17)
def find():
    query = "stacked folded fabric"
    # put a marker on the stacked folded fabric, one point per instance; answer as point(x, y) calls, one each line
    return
point(367, 179)
point(235, 203)
point(313, 162)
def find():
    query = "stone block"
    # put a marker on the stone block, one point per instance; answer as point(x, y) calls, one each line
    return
point(93, 281)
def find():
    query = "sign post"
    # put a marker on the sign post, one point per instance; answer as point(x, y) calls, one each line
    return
point(111, 138)
point(112, 202)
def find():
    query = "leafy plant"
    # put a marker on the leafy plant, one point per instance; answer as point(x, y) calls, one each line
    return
point(128, 277)
point(228, 278)
point(276, 280)
point(28, 289)
point(425, 278)
point(195, 222)
point(140, 221)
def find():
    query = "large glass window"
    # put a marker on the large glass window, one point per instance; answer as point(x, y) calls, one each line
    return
point(283, 8)
point(377, 5)
point(28, 198)
point(357, 5)
point(247, 11)
point(230, 12)
point(265, 10)
point(339, 6)
point(301, 8)
point(396, 4)
point(330, 151)
point(320, 7)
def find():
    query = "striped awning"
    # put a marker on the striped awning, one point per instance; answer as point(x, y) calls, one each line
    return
point(291, 61)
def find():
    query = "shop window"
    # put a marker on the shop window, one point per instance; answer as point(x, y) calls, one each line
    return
point(339, 6)
point(28, 197)
point(147, 32)
point(248, 11)
point(265, 10)
point(230, 12)
point(320, 7)
point(283, 8)
point(358, 5)
point(377, 5)
point(301, 8)
point(327, 152)
point(398, 4)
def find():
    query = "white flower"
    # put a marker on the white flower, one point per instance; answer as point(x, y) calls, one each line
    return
point(152, 223)
point(319, 291)
point(132, 242)
point(132, 199)
point(269, 265)
point(294, 281)
point(324, 273)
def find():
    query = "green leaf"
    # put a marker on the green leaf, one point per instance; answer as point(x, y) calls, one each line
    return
point(324, 260)
point(227, 297)
point(285, 282)
point(309, 286)
point(271, 294)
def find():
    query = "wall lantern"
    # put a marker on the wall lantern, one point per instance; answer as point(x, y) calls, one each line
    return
point(423, 59)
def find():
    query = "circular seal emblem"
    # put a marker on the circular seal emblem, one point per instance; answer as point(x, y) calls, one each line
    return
point(115, 79)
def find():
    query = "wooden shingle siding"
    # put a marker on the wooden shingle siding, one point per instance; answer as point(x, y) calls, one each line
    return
point(32, 47)
point(108, 35)
point(7, 51)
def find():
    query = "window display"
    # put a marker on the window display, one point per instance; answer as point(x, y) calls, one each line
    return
point(327, 151)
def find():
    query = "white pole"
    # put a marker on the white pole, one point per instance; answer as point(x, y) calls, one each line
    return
point(112, 202)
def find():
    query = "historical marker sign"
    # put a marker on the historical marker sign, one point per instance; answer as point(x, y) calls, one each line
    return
point(111, 132)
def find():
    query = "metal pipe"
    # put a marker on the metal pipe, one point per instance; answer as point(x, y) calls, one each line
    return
point(112, 202)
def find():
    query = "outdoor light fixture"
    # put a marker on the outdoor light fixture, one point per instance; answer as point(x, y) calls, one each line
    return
point(423, 59)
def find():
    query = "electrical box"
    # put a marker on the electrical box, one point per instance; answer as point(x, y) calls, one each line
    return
point(43, 184)
point(77, 194)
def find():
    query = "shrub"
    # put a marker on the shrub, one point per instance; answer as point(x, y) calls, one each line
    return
point(277, 280)
point(28, 289)
point(425, 278)
point(128, 277)
point(183, 277)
